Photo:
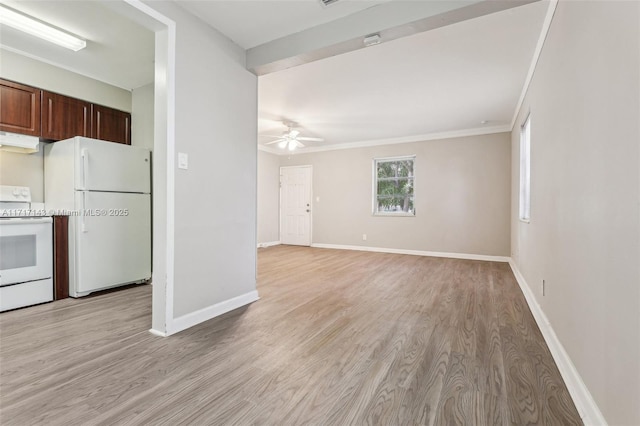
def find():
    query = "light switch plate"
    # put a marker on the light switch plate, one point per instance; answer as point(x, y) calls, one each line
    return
point(183, 161)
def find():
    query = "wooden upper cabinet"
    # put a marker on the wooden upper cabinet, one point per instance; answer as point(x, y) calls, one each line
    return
point(64, 117)
point(19, 108)
point(110, 124)
point(53, 117)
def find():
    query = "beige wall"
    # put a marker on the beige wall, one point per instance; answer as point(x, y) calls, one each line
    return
point(215, 199)
point(142, 121)
point(28, 169)
point(584, 234)
point(24, 170)
point(44, 76)
point(268, 197)
point(462, 196)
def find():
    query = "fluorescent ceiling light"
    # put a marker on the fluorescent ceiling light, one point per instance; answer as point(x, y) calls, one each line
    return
point(39, 29)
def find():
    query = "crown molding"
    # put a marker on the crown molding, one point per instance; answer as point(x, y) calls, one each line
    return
point(553, 4)
point(478, 131)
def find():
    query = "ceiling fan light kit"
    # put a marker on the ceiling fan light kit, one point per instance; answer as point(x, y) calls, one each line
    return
point(290, 139)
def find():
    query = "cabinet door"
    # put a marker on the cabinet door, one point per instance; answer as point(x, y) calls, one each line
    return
point(19, 108)
point(109, 124)
point(64, 117)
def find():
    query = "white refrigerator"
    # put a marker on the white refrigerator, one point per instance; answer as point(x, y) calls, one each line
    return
point(105, 189)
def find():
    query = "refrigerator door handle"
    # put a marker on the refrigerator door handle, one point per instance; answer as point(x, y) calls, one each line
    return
point(83, 225)
point(84, 153)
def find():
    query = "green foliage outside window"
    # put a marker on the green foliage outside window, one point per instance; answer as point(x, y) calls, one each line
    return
point(394, 186)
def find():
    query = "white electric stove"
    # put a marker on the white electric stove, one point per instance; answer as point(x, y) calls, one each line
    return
point(26, 250)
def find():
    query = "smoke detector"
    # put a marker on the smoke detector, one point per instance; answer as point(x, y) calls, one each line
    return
point(371, 40)
point(328, 2)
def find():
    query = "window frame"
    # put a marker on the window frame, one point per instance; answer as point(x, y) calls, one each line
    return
point(524, 194)
point(377, 160)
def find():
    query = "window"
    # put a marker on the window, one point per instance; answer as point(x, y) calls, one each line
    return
point(525, 170)
point(393, 191)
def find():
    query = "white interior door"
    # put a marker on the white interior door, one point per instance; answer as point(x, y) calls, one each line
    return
point(295, 205)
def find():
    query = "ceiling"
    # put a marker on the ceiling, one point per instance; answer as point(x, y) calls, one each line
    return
point(252, 23)
point(118, 52)
point(448, 79)
point(464, 77)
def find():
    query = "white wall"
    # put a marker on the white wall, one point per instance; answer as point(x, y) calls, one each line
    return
point(215, 199)
point(28, 169)
point(142, 120)
point(268, 197)
point(45, 76)
point(584, 235)
point(462, 195)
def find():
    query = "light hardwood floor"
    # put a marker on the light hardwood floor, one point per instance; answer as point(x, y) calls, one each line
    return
point(337, 338)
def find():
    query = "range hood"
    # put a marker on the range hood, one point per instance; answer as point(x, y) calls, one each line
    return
point(19, 143)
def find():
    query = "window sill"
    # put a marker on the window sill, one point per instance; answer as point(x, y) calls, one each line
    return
point(394, 214)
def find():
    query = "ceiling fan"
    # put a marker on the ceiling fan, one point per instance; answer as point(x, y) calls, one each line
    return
point(290, 139)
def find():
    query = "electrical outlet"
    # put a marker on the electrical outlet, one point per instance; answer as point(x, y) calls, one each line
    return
point(364, 237)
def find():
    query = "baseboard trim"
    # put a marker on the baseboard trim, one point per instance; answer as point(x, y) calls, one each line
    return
point(587, 407)
point(157, 333)
point(269, 244)
point(415, 252)
point(202, 315)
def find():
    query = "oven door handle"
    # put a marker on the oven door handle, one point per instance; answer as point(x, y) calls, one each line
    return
point(25, 221)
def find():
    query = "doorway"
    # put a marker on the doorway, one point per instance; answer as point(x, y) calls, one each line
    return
point(163, 174)
point(295, 205)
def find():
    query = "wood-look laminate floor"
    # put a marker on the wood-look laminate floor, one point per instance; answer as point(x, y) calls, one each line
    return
point(337, 338)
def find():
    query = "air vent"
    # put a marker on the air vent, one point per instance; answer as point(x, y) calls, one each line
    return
point(328, 2)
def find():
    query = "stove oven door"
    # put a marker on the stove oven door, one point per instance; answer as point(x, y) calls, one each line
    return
point(26, 252)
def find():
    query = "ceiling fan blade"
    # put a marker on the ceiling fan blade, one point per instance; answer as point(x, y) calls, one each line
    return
point(311, 139)
point(299, 144)
point(294, 133)
point(276, 141)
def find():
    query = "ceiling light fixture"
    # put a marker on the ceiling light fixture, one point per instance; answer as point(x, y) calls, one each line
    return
point(39, 29)
point(372, 39)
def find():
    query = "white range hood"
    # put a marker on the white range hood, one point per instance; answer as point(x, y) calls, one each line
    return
point(19, 143)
